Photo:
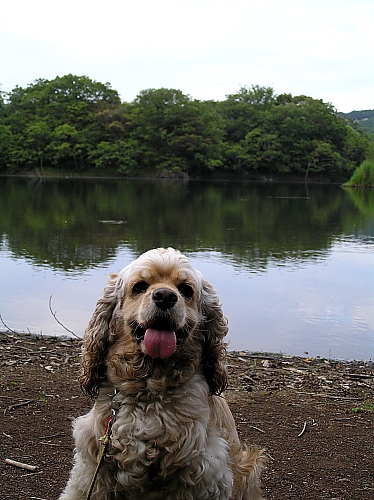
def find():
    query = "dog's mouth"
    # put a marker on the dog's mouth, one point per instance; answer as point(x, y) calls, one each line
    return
point(160, 338)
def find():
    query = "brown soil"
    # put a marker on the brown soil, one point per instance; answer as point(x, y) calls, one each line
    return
point(315, 417)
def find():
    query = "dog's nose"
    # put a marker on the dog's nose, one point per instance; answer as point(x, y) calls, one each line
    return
point(164, 298)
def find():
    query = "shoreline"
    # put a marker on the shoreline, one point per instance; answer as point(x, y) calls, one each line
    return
point(221, 177)
point(274, 357)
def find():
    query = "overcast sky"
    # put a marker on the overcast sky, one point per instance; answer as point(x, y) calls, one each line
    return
point(205, 48)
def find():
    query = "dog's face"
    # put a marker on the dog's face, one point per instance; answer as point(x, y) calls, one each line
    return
point(160, 305)
point(157, 315)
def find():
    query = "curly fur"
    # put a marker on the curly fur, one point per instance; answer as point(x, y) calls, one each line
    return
point(173, 437)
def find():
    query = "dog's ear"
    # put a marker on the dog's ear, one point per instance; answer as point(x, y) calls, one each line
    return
point(96, 339)
point(215, 328)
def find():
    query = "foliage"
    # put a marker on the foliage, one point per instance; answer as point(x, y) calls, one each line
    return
point(292, 135)
point(53, 122)
point(171, 131)
point(362, 120)
point(72, 122)
point(363, 175)
point(364, 408)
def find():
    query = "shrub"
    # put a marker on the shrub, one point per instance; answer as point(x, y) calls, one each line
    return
point(363, 176)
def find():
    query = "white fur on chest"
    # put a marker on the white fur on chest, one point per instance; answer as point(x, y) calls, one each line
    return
point(171, 444)
point(175, 422)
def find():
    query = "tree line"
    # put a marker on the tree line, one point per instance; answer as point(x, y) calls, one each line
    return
point(75, 123)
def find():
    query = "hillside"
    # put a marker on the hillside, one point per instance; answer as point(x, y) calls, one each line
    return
point(364, 120)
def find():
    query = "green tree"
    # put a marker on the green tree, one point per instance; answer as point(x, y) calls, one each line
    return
point(175, 132)
point(67, 146)
point(242, 111)
point(118, 155)
point(37, 137)
point(6, 143)
point(311, 135)
point(47, 117)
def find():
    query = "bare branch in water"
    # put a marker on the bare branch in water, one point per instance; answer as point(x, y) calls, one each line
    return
point(59, 322)
point(7, 327)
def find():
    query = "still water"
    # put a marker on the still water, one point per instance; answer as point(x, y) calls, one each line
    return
point(293, 265)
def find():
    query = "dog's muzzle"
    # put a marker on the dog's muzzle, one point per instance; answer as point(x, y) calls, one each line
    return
point(164, 298)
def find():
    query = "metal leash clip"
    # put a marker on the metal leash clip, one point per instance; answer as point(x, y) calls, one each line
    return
point(117, 401)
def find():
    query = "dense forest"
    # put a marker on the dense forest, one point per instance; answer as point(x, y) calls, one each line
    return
point(72, 123)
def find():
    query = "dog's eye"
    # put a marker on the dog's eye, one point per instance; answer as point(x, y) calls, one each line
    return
point(139, 287)
point(186, 290)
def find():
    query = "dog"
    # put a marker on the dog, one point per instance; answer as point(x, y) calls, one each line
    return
point(154, 360)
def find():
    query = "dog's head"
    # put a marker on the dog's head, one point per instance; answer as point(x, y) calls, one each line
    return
point(156, 309)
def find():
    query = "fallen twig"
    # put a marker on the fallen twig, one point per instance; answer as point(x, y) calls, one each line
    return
point(320, 395)
point(20, 465)
point(26, 349)
point(11, 397)
point(55, 445)
point(257, 429)
point(302, 432)
point(59, 322)
point(243, 422)
point(60, 434)
point(366, 385)
point(357, 375)
point(17, 405)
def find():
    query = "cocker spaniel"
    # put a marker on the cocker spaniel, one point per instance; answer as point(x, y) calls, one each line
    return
point(154, 357)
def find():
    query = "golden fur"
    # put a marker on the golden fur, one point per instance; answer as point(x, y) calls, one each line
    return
point(173, 436)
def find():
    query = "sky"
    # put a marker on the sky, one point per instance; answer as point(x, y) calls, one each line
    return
point(205, 48)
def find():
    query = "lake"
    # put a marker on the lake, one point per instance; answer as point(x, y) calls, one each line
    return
point(293, 264)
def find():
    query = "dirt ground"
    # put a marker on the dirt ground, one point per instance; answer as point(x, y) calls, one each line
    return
point(314, 417)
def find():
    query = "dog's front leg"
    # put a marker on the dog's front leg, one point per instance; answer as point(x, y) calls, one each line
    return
point(79, 480)
point(87, 433)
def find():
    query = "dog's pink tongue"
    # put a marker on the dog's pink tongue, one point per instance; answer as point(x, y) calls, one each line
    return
point(159, 343)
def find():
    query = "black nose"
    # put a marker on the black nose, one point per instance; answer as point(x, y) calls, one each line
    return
point(164, 298)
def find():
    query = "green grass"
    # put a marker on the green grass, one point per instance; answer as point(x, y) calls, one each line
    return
point(363, 176)
point(365, 408)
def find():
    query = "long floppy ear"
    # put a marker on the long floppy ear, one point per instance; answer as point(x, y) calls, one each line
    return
point(96, 341)
point(215, 328)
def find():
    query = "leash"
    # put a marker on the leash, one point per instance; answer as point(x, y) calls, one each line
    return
point(104, 443)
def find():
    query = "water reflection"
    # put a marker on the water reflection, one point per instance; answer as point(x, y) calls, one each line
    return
point(79, 224)
point(293, 266)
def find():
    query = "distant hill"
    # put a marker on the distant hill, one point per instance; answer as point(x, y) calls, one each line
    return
point(363, 119)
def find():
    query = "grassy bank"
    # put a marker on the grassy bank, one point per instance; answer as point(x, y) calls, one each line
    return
point(363, 176)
